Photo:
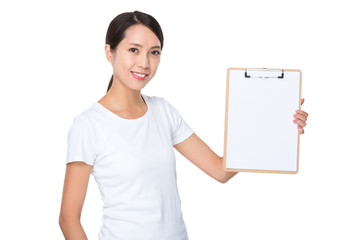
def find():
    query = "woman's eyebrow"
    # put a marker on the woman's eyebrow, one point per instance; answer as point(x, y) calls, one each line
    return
point(138, 45)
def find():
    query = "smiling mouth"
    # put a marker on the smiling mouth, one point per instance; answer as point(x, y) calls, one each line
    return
point(139, 76)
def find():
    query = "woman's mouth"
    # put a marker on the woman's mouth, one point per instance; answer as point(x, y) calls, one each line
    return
point(139, 76)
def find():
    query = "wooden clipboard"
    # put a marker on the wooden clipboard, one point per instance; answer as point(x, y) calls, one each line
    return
point(260, 135)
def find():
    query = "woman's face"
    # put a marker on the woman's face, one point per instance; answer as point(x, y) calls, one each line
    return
point(136, 58)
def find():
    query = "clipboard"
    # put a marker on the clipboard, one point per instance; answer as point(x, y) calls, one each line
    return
point(260, 135)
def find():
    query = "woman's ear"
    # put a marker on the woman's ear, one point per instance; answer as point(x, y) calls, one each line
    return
point(108, 53)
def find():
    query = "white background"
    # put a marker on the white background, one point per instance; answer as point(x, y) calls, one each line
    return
point(53, 67)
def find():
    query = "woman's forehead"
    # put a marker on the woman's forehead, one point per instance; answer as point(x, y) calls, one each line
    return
point(141, 35)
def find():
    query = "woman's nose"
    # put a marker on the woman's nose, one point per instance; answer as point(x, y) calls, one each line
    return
point(144, 61)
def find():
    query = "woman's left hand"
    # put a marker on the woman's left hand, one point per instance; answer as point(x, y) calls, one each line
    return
point(301, 118)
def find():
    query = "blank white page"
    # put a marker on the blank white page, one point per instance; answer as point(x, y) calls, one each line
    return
point(261, 134)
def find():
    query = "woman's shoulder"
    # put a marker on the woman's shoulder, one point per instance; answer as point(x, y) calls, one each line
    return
point(87, 114)
point(160, 103)
point(156, 99)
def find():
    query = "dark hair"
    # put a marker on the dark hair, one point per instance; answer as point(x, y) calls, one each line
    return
point(120, 23)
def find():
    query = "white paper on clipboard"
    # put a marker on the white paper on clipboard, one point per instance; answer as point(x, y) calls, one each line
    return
point(260, 135)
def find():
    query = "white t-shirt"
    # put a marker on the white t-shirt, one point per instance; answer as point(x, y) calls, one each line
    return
point(134, 166)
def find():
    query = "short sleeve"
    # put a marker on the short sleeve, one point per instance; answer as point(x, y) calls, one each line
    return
point(81, 141)
point(180, 128)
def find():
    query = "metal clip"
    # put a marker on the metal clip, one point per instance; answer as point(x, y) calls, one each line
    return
point(264, 69)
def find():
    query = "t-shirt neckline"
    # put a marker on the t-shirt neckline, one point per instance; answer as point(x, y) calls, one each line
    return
point(131, 120)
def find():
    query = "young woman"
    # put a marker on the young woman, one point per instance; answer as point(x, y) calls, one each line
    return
point(125, 141)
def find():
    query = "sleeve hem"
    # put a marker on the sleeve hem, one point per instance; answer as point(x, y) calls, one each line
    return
point(183, 137)
point(80, 160)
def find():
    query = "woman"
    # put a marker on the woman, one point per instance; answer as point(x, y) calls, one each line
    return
point(125, 141)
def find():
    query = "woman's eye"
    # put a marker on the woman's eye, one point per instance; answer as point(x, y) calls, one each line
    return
point(155, 53)
point(133, 50)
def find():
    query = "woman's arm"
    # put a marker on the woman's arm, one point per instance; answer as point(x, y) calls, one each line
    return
point(74, 191)
point(201, 155)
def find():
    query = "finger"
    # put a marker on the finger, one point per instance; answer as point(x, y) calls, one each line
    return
point(301, 130)
point(302, 101)
point(302, 113)
point(302, 124)
point(300, 117)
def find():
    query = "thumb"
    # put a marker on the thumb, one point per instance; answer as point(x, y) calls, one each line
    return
point(302, 101)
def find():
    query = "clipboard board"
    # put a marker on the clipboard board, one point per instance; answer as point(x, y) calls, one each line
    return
point(260, 135)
